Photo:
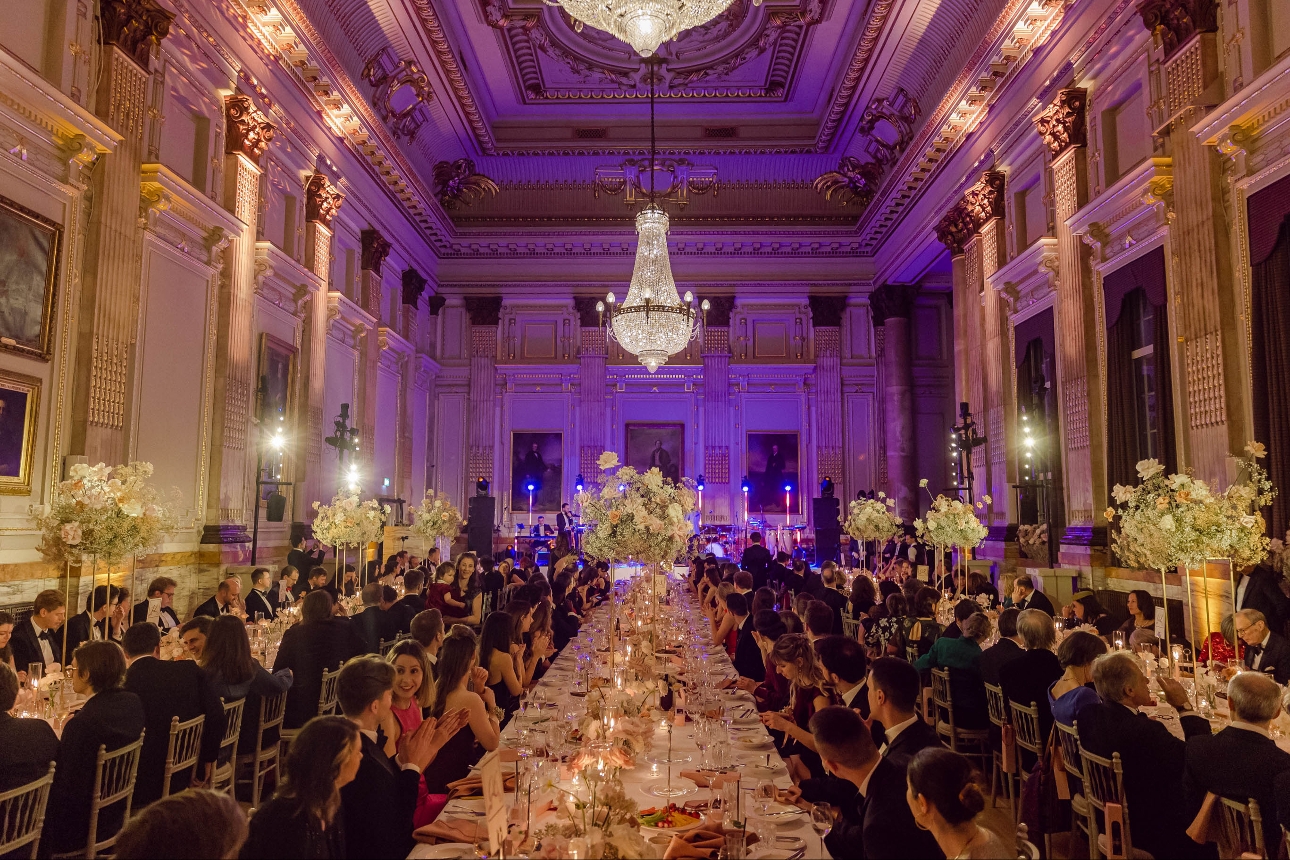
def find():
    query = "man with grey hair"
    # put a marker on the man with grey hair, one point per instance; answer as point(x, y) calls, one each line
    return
point(1026, 679)
point(1242, 761)
point(1265, 651)
point(1152, 758)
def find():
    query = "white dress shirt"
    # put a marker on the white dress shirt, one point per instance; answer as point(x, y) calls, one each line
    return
point(46, 649)
point(894, 732)
point(1258, 658)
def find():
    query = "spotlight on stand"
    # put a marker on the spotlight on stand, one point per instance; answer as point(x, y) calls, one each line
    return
point(700, 483)
point(826, 488)
point(578, 483)
point(481, 486)
point(744, 485)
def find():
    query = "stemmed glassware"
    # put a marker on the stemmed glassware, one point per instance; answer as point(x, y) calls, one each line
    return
point(822, 821)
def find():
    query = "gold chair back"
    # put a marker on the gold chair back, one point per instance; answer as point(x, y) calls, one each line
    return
point(22, 814)
point(1025, 722)
point(222, 778)
point(184, 750)
point(327, 698)
point(996, 705)
point(114, 775)
point(1104, 784)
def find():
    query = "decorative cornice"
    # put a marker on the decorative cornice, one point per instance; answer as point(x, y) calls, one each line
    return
point(457, 183)
point(1176, 21)
point(134, 26)
point(322, 200)
point(855, 71)
point(375, 249)
point(892, 301)
point(628, 179)
point(1062, 124)
point(247, 131)
point(854, 181)
point(387, 76)
point(452, 71)
point(414, 284)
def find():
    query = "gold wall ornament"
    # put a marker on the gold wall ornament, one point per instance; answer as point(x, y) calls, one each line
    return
point(854, 182)
point(322, 200)
point(457, 183)
point(631, 177)
point(400, 92)
point(1176, 21)
point(955, 229)
point(374, 251)
point(247, 131)
point(134, 26)
point(1062, 124)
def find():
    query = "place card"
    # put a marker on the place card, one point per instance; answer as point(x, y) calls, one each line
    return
point(494, 790)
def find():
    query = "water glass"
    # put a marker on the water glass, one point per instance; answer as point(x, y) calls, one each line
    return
point(34, 673)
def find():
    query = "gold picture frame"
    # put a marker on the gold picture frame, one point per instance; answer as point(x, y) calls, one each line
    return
point(30, 247)
point(18, 434)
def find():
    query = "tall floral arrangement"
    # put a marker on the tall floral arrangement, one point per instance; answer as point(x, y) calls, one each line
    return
point(636, 515)
point(1231, 525)
point(872, 519)
point(347, 521)
point(950, 522)
point(103, 512)
point(1162, 521)
point(436, 517)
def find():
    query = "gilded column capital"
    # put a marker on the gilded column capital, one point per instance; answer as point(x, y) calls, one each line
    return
point(134, 26)
point(247, 131)
point(955, 229)
point(375, 249)
point(1062, 124)
point(414, 284)
point(322, 200)
point(1176, 21)
point(984, 201)
point(892, 301)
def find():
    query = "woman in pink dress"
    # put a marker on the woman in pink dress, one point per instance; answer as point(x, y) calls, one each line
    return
point(414, 691)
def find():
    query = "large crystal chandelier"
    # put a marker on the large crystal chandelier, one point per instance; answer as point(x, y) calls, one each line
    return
point(643, 24)
point(653, 322)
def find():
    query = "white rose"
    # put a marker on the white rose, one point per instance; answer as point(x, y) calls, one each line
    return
point(607, 461)
point(922, 483)
point(71, 533)
point(132, 508)
point(1149, 469)
point(1167, 522)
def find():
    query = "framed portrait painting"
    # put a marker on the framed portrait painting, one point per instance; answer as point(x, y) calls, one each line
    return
point(29, 248)
point(537, 460)
point(19, 408)
point(772, 465)
point(656, 446)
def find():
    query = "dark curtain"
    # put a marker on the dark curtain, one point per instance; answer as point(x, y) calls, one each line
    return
point(1270, 303)
point(1122, 403)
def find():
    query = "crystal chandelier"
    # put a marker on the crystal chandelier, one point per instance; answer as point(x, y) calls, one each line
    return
point(653, 323)
point(643, 24)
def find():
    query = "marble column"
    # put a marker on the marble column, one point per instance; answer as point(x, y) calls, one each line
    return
point(892, 306)
point(592, 412)
point(128, 31)
point(375, 248)
point(482, 426)
point(826, 324)
point(247, 134)
point(322, 201)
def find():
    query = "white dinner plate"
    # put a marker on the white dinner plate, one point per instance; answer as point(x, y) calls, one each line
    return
point(442, 851)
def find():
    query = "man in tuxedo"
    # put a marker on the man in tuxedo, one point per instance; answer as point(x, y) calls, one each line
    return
point(257, 599)
point(1261, 589)
point(1024, 595)
point(302, 559)
point(396, 620)
point(161, 589)
point(379, 804)
point(427, 630)
point(27, 747)
point(39, 639)
point(224, 601)
point(894, 686)
point(168, 689)
point(564, 520)
point(413, 600)
point(283, 592)
point(1003, 652)
point(372, 624)
point(1242, 761)
point(93, 623)
point(316, 580)
point(1265, 651)
point(832, 579)
point(877, 823)
point(748, 661)
point(756, 559)
point(1152, 758)
point(780, 571)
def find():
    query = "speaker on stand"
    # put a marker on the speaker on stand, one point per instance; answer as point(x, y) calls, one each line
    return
point(828, 531)
point(479, 525)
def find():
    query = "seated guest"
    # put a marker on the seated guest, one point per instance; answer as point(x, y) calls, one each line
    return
point(372, 624)
point(771, 693)
point(497, 656)
point(743, 581)
point(168, 689)
point(224, 601)
point(380, 802)
point(439, 586)
point(1024, 595)
point(962, 657)
point(27, 746)
point(864, 595)
point(258, 604)
point(1026, 680)
point(455, 691)
point(112, 718)
point(792, 623)
point(413, 696)
point(303, 819)
point(977, 584)
point(315, 581)
point(191, 823)
point(412, 601)
point(845, 667)
point(396, 623)
point(234, 675)
point(193, 634)
point(886, 636)
point(565, 621)
point(1007, 649)
point(794, 658)
point(962, 611)
point(427, 631)
point(39, 639)
point(1141, 607)
point(945, 798)
point(93, 623)
point(320, 643)
point(832, 580)
point(1152, 758)
point(464, 599)
point(1223, 644)
point(818, 620)
point(921, 627)
point(283, 592)
point(748, 659)
point(1241, 761)
point(1073, 691)
point(788, 575)
point(894, 687)
point(1265, 650)
point(162, 590)
point(878, 823)
point(763, 598)
point(1085, 610)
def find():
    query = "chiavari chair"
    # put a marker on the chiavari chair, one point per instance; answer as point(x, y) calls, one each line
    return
point(184, 749)
point(22, 814)
point(114, 775)
point(222, 777)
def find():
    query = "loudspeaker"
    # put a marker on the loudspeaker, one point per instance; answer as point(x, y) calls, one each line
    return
point(825, 513)
point(275, 508)
point(828, 531)
point(479, 525)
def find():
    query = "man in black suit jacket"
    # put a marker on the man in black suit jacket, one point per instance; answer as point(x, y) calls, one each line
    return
point(163, 589)
point(27, 747)
point(748, 661)
point(413, 600)
point(1152, 758)
point(1261, 589)
point(302, 559)
point(372, 624)
point(168, 689)
point(1242, 761)
point(1003, 652)
point(1265, 650)
point(39, 639)
point(380, 802)
point(227, 597)
point(93, 622)
point(1024, 595)
point(112, 718)
point(320, 643)
point(756, 559)
point(257, 599)
point(878, 823)
point(894, 686)
point(831, 578)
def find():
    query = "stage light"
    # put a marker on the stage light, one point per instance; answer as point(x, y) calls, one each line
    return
point(578, 483)
point(744, 485)
point(481, 486)
point(788, 488)
point(700, 482)
point(531, 488)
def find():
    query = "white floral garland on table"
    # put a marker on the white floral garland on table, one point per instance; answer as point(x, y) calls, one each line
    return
point(950, 522)
point(349, 522)
point(1161, 520)
point(872, 519)
point(103, 512)
point(436, 517)
point(648, 519)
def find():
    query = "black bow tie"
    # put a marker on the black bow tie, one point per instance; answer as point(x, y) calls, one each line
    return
point(1254, 649)
point(48, 636)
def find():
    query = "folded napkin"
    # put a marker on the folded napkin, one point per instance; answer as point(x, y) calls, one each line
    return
point(706, 843)
point(457, 830)
point(471, 785)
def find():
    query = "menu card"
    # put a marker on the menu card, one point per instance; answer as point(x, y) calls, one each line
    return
point(490, 769)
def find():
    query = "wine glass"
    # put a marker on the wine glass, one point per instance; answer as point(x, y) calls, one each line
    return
point(822, 821)
point(765, 794)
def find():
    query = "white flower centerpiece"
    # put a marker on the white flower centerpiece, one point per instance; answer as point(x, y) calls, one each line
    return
point(952, 523)
point(872, 520)
point(436, 519)
point(348, 522)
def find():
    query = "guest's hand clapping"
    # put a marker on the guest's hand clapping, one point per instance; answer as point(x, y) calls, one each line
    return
point(478, 680)
point(422, 745)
